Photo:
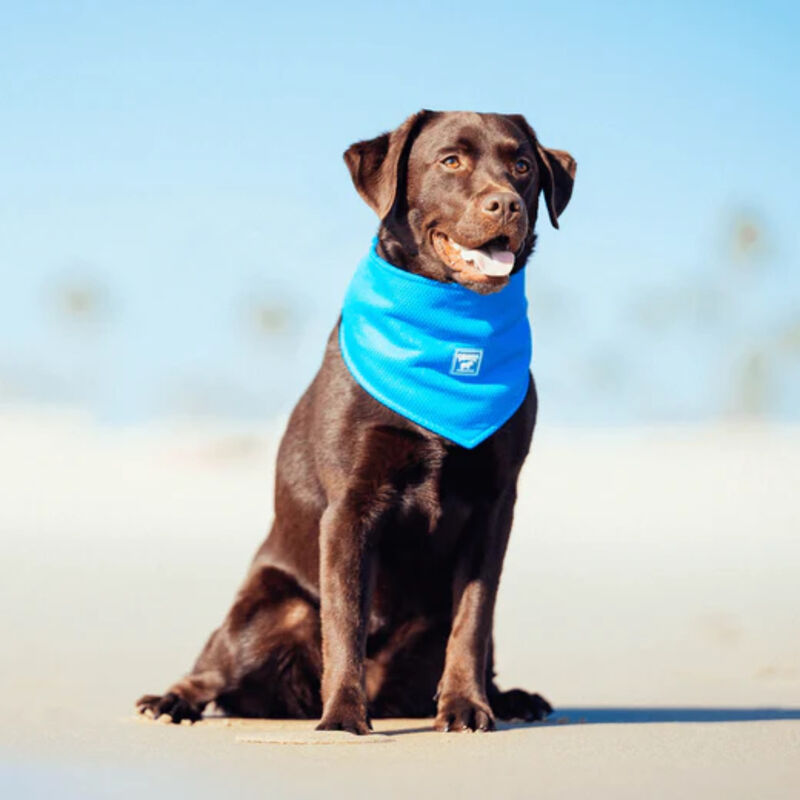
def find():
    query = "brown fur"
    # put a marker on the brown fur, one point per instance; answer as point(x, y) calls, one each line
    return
point(374, 592)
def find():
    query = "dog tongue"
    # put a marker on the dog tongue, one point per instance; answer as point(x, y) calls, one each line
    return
point(490, 261)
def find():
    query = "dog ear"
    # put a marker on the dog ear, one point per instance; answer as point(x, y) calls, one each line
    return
point(556, 171)
point(377, 165)
point(558, 174)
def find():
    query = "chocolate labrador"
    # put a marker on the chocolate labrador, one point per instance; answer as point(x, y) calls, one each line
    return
point(374, 593)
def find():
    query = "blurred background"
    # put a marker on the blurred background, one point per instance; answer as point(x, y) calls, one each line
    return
point(177, 229)
point(177, 225)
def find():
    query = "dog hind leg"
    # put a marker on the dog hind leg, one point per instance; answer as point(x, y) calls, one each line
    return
point(264, 661)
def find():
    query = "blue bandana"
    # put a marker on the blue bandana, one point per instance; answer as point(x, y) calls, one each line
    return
point(451, 360)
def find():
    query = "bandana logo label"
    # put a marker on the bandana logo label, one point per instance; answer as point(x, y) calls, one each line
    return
point(466, 361)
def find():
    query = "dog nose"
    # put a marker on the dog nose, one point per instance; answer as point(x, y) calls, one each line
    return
point(501, 205)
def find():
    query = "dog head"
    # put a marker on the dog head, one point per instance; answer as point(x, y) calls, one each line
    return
point(458, 193)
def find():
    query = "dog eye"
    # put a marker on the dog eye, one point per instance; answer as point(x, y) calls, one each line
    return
point(453, 162)
point(522, 165)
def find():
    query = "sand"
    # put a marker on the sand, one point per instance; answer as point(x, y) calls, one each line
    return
point(650, 593)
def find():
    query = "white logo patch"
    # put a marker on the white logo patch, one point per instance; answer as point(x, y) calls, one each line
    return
point(466, 361)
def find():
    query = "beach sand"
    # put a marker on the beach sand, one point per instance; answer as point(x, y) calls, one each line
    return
point(650, 593)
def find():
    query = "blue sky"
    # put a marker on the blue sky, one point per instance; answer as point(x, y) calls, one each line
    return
point(184, 160)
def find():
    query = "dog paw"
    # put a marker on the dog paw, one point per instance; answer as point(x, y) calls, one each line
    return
point(517, 704)
point(170, 705)
point(457, 713)
point(346, 711)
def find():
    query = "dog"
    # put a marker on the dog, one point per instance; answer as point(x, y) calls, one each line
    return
point(374, 593)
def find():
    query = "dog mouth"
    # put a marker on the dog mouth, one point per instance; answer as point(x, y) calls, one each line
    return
point(491, 261)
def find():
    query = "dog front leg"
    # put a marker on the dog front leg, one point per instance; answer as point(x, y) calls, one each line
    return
point(346, 566)
point(462, 699)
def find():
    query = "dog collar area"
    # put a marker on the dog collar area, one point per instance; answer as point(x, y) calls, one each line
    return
point(451, 360)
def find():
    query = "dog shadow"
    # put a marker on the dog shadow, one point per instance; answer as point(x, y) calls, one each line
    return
point(638, 715)
point(615, 715)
